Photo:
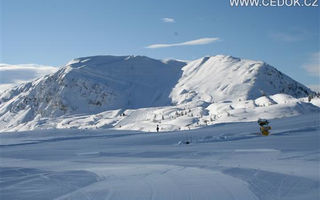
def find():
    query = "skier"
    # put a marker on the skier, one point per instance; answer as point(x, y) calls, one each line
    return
point(309, 98)
point(264, 126)
point(157, 128)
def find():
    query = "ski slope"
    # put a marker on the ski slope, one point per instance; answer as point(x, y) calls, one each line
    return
point(224, 161)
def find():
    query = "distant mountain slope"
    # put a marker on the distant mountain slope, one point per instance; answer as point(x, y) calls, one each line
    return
point(225, 78)
point(92, 85)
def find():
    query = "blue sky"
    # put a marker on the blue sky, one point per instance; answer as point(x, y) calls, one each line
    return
point(54, 32)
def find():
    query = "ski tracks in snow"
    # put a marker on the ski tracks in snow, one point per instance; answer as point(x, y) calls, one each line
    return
point(158, 182)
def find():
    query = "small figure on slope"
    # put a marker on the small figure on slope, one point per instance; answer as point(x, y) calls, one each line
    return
point(264, 126)
point(310, 97)
point(157, 128)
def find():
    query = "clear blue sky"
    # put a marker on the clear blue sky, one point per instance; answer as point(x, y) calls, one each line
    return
point(53, 32)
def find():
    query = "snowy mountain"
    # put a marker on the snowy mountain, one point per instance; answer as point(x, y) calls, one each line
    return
point(100, 88)
point(95, 84)
point(225, 78)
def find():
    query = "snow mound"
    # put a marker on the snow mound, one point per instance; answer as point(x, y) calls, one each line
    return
point(316, 101)
point(264, 101)
point(282, 98)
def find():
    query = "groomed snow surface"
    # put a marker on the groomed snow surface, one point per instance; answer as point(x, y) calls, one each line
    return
point(223, 161)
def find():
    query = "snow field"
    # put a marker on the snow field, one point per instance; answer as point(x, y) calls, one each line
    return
point(225, 161)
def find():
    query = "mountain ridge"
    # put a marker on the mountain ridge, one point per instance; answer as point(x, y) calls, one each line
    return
point(96, 84)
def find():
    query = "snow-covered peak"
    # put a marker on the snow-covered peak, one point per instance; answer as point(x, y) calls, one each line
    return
point(226, 78)
point(92, 85)
point(99, 62)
